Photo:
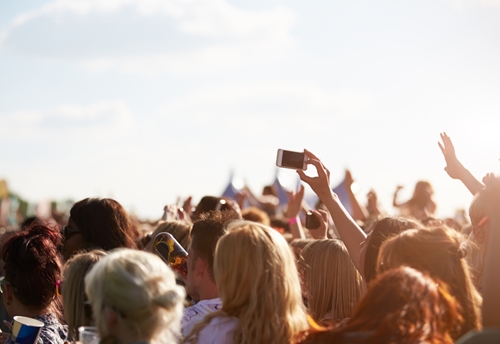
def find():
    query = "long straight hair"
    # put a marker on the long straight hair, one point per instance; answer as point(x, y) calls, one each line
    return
point(332, 283)
point(258, 283)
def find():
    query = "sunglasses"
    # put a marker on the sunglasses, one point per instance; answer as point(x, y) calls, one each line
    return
point(67, 231)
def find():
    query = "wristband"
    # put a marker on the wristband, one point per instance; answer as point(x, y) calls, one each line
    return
point(292, 220)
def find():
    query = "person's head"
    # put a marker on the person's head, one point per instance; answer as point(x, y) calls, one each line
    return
point(32, 269)
point(98, 223)
point(422, 194)
point(256, 215)
point(180, 230)
point(332, 284)
point(134, 297)
point(76, 312)
point(258, 283)
point(402, 305)
point(204, 236)
point(382, 230)
point(438, 252)
point(211, 203)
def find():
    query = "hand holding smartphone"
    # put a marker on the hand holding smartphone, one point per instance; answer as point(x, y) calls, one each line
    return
point(292, 160)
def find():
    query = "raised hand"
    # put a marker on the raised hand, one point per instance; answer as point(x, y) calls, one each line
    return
point(294, 203)
point(321, 183)
point(454, 167)
point(321, 231)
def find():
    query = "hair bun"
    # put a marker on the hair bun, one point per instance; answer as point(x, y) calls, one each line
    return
point(167, 300)
point(44, 231)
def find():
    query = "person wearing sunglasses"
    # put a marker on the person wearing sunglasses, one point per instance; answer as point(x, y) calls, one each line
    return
point(32, 269)
point(96, 223)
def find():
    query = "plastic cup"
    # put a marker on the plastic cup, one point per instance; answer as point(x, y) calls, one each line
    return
point(88, 335)
point(26, 330)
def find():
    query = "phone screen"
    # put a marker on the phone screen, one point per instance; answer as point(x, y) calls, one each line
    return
point(293, 159)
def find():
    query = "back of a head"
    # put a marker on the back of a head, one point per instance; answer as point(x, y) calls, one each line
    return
point(258, 283)
point(104, 224)
point(438, 252)
point(256, 215)
point(211, 203)
point(32, 264)
point(401, 305)
point(76, 312)
point(422, 193)
point(180, 230)
point(140, 287)
point(382, 230)
point(207, 231)
point(333, 284)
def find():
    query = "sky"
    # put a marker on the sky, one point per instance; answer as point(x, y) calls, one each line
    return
point(151, 101)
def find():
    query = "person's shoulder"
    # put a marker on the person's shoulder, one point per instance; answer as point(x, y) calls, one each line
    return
point(52, 331)
point(219, 330)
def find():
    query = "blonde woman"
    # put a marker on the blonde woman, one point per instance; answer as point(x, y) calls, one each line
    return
point(259, 287)
point(77, 311)
point(438, 252)
point(134, 298)
point(331, 282)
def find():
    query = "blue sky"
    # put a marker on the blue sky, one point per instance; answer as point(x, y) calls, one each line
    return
point(150, 100)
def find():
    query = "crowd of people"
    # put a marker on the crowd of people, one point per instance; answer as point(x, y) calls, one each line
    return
point(254, 276)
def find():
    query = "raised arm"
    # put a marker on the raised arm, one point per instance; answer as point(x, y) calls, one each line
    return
point(491, 277)
point(292, 213)
point(358, 211)
point(395, 197)
point(454, 167)
point(351, 234)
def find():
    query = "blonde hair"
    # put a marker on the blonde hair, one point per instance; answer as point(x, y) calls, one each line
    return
point(437, 251)
point(76, 312)
point(180, 230)
point(140, 287)
point(333, 284)
point(258, 284)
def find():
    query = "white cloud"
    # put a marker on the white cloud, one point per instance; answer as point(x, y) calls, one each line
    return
point(99, 121)
point(151, 37)
point(261, 105)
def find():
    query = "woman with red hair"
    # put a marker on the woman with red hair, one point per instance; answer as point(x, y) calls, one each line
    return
point(402, 305)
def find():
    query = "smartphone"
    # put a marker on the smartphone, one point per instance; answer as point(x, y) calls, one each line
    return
point(312, 221)
point(289, 159)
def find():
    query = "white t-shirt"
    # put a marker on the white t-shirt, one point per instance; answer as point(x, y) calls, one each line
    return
point(196, 313)
point(218, 331)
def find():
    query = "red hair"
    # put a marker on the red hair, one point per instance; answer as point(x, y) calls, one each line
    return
point(402, 305)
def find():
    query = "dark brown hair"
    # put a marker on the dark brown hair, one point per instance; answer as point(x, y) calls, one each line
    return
point(33, 265)
point(207, 231)
point(104, 224)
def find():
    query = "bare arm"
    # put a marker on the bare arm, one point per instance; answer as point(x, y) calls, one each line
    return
point(292, 213)
point(358, 211)
point(352, 235)
point(491, 277)
point(395, 197)
point(454, 167)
